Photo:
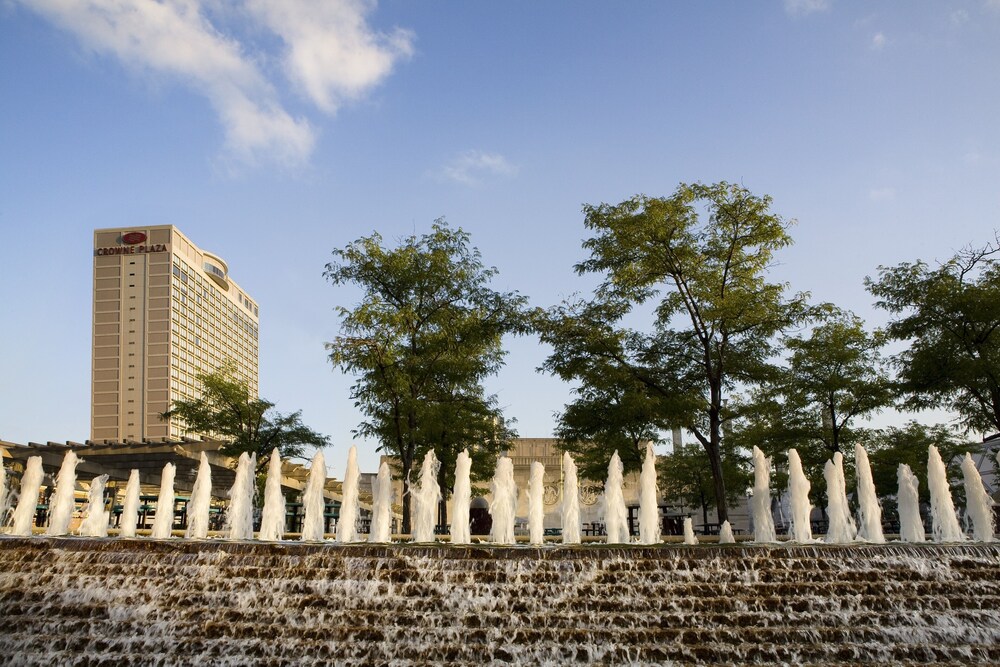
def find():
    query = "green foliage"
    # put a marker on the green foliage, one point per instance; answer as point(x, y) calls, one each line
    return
point(699, 258)
point(685, 475)
point(890, 447)
point(950, 316)
point(227, 410)
point(424, 336)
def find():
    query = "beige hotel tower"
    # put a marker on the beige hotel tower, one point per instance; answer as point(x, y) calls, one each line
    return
point(164, 310)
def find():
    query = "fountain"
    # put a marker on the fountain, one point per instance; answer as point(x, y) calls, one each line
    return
point(272, 520)
point(425, 500)
point(944, 521)
point(760, 501)
point(163, 522)
point(570, 502)
point(350, 508)
point(503, 506)
point(726, 533)
point(130, 509)
point(461, 498)
point(649, 510)
point(382, 506)
point(979, 505)
point(536, 507)
point(27, 500)
point(689, 536)
point(96, 523)
point(841, 528)
point(312, 500)
point(615, 514)
point(911, 527)
point(239, 517)
point(201, 501)
point(64, 499)
point(3, 495)
point(869, 510)
point(798, 490)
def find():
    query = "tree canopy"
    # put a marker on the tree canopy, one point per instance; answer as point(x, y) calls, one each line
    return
point(950, 318)
point(700, 259)
point(425, 334)
point(228, 410)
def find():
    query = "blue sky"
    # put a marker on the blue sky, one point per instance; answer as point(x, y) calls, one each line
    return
point(272, 131)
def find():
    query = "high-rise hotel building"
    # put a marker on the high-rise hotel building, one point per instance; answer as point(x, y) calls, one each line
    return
point(164, 310)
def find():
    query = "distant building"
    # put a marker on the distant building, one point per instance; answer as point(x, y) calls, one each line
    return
point(164, 310)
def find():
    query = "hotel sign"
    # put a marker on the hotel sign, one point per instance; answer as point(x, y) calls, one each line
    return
point(132, 243)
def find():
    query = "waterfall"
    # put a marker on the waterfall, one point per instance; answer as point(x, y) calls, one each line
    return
point(944, 521)
point(163, 522)
point(347, 524)
point(503, 505)
point(201, 501)
point(570, 502)
point(649, 510)
point(314, 506)
point(27, 500)
point(978, 504)
point(615, 514)
point(841, 528)
point(64, 499)
point(130, 509)
point(425, 500)
point(272, 521)
point(96, 523)
point(461, 497)
point(536, 506)
point(869, 510)
point(760, 502)
point(798, 490)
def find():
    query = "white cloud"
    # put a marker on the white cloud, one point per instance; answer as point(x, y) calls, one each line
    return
point(882, 194)
point(803, 7)
point(470, 167)
point(959, 17)
point(331, 54)
point(878, 41)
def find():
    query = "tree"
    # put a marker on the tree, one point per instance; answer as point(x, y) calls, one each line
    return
point(950, 316)
point(891, 446)
point(699, 258)
point(226, 409)
point(685, 475)
point(424, 336)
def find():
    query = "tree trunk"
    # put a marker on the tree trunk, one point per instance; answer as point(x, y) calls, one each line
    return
point(715, 450)
point(405, 500)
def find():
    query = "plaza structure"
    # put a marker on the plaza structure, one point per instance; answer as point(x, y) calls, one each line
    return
point(164, 311)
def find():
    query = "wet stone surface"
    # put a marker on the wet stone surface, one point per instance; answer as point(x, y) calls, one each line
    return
point(75, 601)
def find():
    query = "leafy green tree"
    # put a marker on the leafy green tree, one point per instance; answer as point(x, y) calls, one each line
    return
point(889, 447)
point(699, 258)
point(685, 475)
point(229, 411)
point(424, 336)
point(950, 317)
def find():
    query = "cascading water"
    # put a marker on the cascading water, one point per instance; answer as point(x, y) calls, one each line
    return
point(163, 522)
point(130, 508)
point(272, 520)
point(570, 502)
point(503, 504)
point(27, 500)
point(96, 523)
point(800, 508)
point(536, 507)
point(382, 506)
point(649, 510)
point(201, 501)
point(64, 499)
point(944, 520)
point(689, 536)
point(978, 504)
point(615, 514)
point(841, 528)
point(426, 499)
point(911, 527)
point(869, 509)
point(312, 500)
point(461, 498)
point(239, 518)
point(347, 525)
point(760, 502)
point(726, 533)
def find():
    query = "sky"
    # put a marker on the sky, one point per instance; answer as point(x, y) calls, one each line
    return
point(274, 131)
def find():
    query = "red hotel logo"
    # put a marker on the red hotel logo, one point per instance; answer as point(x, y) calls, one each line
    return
point(132, 238)
point(132, 245)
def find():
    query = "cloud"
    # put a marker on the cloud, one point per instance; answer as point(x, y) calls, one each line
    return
point(882, 194)
point(470, 167)
point(803, 7)
point(959, 17)
point(878, 41)
point(331, 54)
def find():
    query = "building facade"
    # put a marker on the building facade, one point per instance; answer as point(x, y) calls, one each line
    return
point(164, 310)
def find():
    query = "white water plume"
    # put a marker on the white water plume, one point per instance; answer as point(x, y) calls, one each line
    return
point(760, 502)
point(130, 508)
point(272, 520)
point(239, 518)
point(689, 536)
point(801, 508)
point(869, 509)
point(3, 495)
point(649, 510)
point(163, 522)
point(911, 527)
point(347, 524)
point(615, 514)
point(461, 499)
point(503, 504)
point(978, 504)
point(201, 500)
point(841, 528)
point(944, 520)
point(64, 499)
point(726, 533)
point(536, 507)
point(382, 506)
point(425, 500)
point(570, 502)
point(312, 500)
point(27, 500)
point(96, 522)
